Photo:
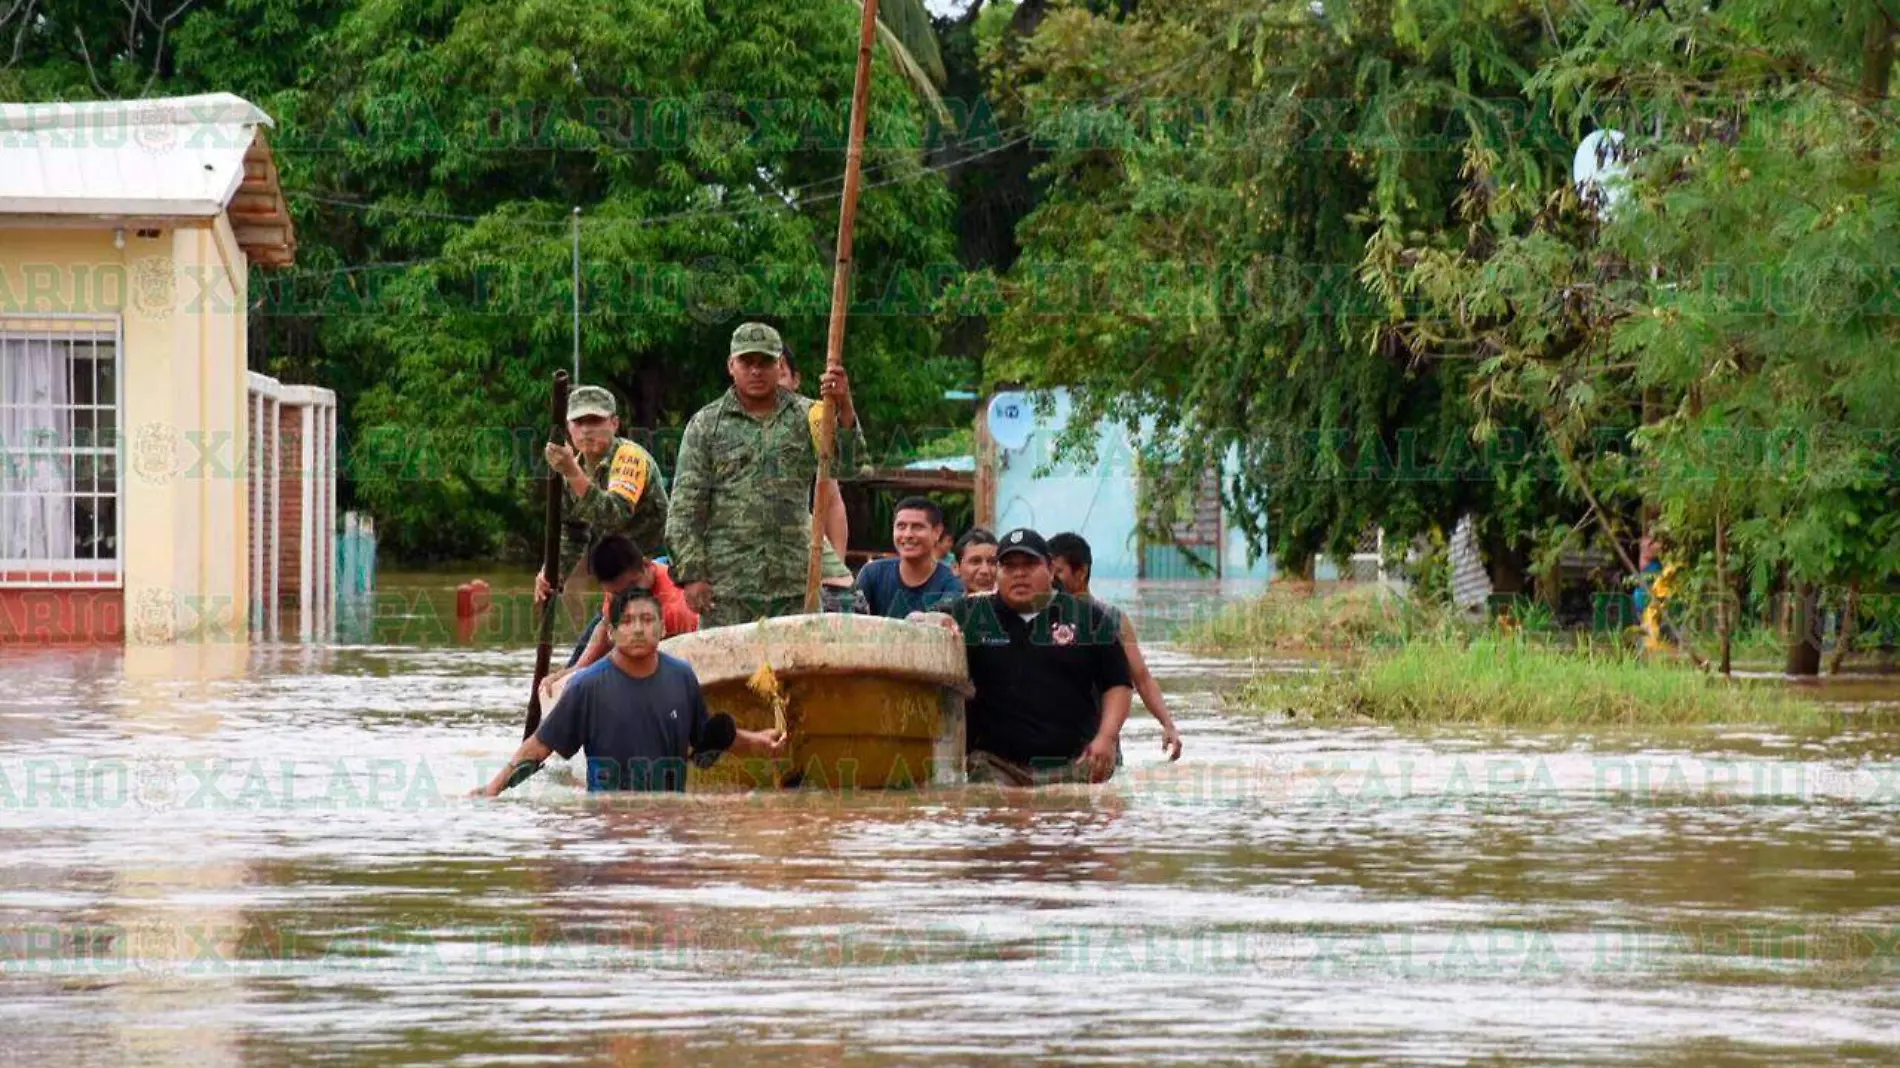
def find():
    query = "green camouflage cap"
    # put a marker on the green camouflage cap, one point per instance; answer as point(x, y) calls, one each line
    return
point(590, 400)
point(757, 337)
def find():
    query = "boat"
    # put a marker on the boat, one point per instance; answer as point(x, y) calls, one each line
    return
point(867, 703)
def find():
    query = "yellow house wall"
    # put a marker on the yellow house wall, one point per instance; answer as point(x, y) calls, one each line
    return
point(184, 552)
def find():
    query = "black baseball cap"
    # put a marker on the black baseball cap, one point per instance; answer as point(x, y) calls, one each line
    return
point(1022, 540)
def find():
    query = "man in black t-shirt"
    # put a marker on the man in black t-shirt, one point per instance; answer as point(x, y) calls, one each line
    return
point(1051, 678)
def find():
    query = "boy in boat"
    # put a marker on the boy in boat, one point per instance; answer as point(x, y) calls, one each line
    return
point(639, 714)
point(618, 564)
point(740, 520)
point(1051, 677)
point(1073, 562)
point(913, 580)
point(976, 561)
point(837, 522)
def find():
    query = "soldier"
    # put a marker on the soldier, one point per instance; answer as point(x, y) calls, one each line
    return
point(623, 495)
point(740, 525)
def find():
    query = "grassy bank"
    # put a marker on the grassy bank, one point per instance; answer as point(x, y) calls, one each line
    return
point(1502, 681)
point(1287, 619)
point(1292, 619)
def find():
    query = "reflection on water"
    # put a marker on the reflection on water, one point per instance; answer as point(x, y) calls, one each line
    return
point(214, 859)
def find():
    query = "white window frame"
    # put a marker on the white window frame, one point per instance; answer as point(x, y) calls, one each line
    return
point(73, 573)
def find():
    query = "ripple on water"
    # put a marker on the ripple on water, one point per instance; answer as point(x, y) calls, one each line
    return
point(274, 865)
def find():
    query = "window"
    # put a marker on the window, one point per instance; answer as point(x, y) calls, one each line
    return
point(60, 429)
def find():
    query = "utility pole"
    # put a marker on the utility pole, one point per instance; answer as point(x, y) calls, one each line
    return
point(577, 295)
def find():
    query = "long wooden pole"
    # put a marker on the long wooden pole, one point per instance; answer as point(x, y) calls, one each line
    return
point(550, 554)
point(840, 295)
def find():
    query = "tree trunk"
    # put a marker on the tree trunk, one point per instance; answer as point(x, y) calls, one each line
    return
point(1724, 619)
point(649, 396)
point(1508, 569)
point(1876, 72)
point(1850, 617)
point(1804, 631)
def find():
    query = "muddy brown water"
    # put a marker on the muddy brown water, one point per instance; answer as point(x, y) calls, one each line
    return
point(258, 857)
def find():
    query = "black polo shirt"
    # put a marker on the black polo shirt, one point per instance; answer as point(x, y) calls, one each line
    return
point(1039, 681)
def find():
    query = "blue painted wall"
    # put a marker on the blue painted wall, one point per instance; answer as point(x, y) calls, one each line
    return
point(1097, 501)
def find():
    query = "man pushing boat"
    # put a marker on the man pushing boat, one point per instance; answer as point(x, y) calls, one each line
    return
point(639, 714)
point(1050, 673)
point(740, 514)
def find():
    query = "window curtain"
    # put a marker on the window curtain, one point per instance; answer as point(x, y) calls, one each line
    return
point(36, 418)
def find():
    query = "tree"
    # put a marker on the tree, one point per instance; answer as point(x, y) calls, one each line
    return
point(432, 153)
point(1228, 199)
point(1734, 309)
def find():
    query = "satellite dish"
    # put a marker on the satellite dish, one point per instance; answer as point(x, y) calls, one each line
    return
point(1012, 419)
point(1600, 170)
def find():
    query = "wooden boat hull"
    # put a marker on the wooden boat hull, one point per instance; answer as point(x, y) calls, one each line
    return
point(869, 703)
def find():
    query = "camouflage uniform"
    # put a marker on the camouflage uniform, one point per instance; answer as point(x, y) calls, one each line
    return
point(626, 494)
point(633, 503)
point(740, 517)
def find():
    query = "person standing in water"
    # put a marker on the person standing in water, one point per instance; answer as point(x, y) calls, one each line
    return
point(1073, 562)
point(1050, 679)
point(639, 714)
point(913, 580)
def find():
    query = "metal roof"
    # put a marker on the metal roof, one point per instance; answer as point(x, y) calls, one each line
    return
point(169, 157)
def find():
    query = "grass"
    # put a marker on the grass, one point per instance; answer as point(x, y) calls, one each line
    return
point(1512, 681)
point(1291, 620)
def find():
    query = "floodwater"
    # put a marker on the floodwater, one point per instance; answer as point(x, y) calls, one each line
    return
point(214, 857)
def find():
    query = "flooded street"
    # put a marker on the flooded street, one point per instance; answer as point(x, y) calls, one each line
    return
point(218, 861)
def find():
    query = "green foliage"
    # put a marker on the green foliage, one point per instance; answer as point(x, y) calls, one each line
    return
point(1357, 261)
point(1735, 312)
point(1504, 682)
point(1229, 196)
point(450, 140)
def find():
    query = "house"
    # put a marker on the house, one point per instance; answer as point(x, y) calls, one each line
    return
point(1019, 484)
point(151, 490)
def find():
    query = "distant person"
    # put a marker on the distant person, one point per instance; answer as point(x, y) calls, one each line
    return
point(1655, 582)
point(1050, 677)
point(1073, 562)
point(914, 580)
point(617, 565)
point(639, 714)
point(975, 556)
point(946, 549)
point(837, 522)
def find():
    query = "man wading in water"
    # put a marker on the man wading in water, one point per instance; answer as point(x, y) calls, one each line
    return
point(1051, 678)
point(1073, 563)
point(639, 714)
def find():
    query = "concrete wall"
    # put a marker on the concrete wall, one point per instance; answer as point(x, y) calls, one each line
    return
point(181, 297)
point(290, 535)
point(1097, 501)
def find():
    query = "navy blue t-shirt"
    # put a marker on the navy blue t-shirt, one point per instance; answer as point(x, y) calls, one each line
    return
point(885, 592)
point(637, 732)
